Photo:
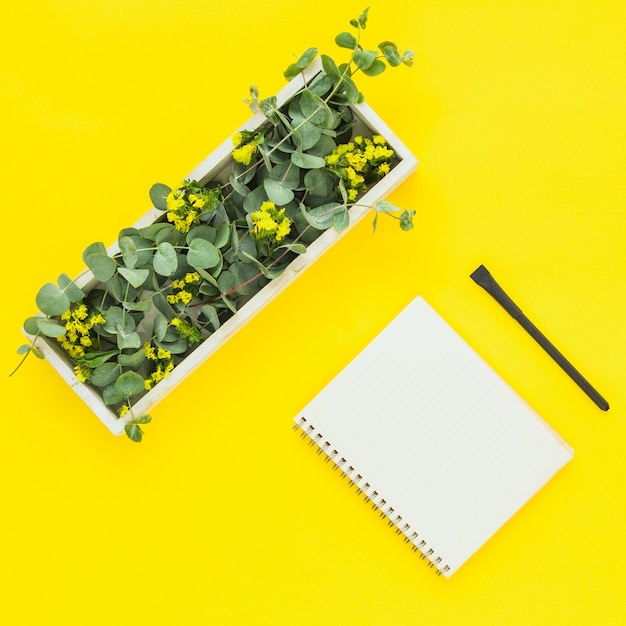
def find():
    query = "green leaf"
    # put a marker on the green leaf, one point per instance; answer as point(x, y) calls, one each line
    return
point(158, 194)
point(104, 374)
point(341, 219)
point(307, 161)
point(25, 348)
point(169, 234)
point(315, 110)
point(129, 384)
point(118, 321)
point(305, 134)
point(133, 360)
point(31, 324)
point(160, 327)
point(51, 300)
point(222, 235)
point(128, 340)
point(254, 199)
point(291, 72)
point(390, 50)
point(50, 328)
point(129, 252)
point(165, 260)
point(364, 58)
point(203, 254)
point(346, 40)
point(133, 432)
point(210, 312)
point(141, 305)
point(287, 174)
point(361, 21)
point(319, 182)
point(102, 266)
point(375, 69)
point(306, 58)
point(321, 217)
point(350, 91)
point(298, 248)
point(150, 232)
point(277, 192)
point(96, 359)
point(94, 248)
point(382, 206)
point(407, 58)
point(135, 277)
point(111, 396)
point(330, 67)
point(255, 262)
point(406, 220)
point(74, 293)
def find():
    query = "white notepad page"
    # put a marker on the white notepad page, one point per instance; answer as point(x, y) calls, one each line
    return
point(434, 436)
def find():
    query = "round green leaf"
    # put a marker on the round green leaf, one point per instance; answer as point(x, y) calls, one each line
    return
point(390, 50)
point(129, 384)
point(158, 195)
point(105, 374)
point(135, 277)
point(93, 248)
point(128, 340)
point(202, 254)
point(376, 68)
point(134, 432)
point(129, 252)
point(346, 40)
point(305, 133)
point(165, 260)
point(31, 325)
point(51, 300)
point(319, 182)
point(102, 265)
point(277, 192)
point(307, 161)
point(74, 293)
point(50, 328)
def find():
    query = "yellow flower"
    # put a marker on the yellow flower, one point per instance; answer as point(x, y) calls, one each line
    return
point(178, 284)
point(164, 354)
point(192, 277)
point(147, 384)
point(86, 341)
point(383, 169)
point(244, 154)
point(172, 298)
point(175, 200)
point(123, 410)
point(352, 194)
point(185, 297)
point(379, 139)
point(283, 229)
point(82, 373)
point(237, 139)
point(149, 351)
point(176, 322)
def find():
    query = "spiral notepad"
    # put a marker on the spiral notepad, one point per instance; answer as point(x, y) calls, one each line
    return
point(433, 437)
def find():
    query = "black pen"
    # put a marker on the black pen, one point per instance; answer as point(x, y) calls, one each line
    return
point(482, 277)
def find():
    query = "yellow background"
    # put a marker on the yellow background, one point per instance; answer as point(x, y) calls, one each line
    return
point(223, 515)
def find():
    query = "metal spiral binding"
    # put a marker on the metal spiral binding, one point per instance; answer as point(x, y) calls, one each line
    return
point(370, 495)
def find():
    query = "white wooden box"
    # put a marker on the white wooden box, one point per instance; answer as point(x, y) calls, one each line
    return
point(217, 166)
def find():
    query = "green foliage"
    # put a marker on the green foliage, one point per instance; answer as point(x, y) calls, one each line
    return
point(173, 283)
